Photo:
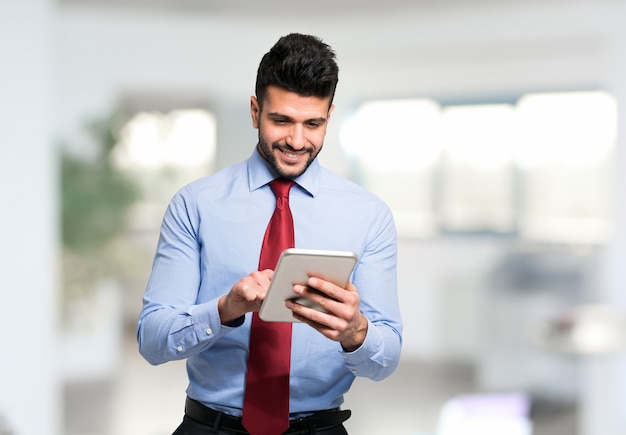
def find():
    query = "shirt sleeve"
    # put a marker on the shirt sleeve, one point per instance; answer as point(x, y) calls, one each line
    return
point(378, 356)
point(171, 325)
point(376, 281)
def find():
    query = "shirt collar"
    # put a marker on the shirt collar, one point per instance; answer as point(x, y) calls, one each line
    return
point(261, 173)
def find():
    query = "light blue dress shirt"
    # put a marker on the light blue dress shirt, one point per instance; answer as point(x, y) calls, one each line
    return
point(211, 237)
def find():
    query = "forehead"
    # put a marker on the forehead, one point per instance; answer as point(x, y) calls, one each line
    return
point(282, 102)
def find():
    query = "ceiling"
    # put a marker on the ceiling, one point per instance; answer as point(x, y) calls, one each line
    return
point(254, 8)
point(386, 48)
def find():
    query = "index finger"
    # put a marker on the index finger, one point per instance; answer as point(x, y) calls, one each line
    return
point(329, 288)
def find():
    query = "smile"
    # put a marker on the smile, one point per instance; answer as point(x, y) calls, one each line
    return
point(292, 155)
point(289, 154)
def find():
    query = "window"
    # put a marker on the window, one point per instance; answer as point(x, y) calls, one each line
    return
point(539, 168)
point(180, 138)
point(566, 141)
point(397, 145)
point(166, 149)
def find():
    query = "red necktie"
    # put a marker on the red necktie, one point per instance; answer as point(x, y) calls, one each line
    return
point(266, 400)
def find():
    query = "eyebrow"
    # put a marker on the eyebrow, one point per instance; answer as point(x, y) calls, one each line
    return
point(276, 115)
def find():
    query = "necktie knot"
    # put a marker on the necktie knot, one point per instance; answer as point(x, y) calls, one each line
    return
point(281, 186)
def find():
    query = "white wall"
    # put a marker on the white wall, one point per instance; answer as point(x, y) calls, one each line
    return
point(29, 391)
point(604, 378)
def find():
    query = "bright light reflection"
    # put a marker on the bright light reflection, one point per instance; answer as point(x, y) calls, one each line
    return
point(402, 134)
point(562, 144)
point(570, 129)
point(180, 138)
point(479, 135)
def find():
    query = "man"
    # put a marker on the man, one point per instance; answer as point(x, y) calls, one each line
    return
point(205, 283)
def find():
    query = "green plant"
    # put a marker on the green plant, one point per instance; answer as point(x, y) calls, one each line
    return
point(95, 198)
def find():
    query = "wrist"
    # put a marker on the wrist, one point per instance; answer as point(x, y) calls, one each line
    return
point(227, 316)
point(358, 338)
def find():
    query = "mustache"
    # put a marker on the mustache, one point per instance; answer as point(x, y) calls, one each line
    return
point(287, 147)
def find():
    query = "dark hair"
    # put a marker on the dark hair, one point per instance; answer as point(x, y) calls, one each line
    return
point(298, 63)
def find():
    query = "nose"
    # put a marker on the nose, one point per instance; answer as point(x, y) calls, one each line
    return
point(296, 138)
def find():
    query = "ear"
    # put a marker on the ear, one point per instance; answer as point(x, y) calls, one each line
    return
point(330, 110)
point(254, 111)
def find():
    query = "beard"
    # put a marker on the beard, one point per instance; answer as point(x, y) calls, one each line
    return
point(282, 169)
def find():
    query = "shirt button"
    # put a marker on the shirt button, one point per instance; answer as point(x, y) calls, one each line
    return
point(209, 331)
point(179, 348)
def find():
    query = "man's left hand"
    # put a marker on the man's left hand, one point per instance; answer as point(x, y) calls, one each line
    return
point(342, 321)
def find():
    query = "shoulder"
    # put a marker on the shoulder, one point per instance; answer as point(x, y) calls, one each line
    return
point(331, 182)
point(355, 206)
point(347, 198)
point(215, 185)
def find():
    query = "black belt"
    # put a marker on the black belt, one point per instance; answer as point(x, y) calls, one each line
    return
point(218, 420)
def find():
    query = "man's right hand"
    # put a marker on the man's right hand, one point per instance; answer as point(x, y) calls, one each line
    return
point(245, 296)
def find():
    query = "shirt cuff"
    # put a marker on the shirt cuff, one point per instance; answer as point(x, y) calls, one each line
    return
point(363, 354)
point(207, 323)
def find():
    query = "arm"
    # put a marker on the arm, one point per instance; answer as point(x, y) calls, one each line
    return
point(171, 325)
point(178, 320)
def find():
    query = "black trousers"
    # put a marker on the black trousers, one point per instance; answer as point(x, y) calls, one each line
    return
point(190, 426)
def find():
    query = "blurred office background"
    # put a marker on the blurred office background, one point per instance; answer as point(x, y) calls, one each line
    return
point(492, 128)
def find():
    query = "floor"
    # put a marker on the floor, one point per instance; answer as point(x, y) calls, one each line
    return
point(147, 400)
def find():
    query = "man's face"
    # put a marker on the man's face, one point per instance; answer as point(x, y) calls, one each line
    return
point(291, 129)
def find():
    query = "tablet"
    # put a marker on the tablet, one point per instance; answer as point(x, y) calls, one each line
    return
point(295, 266)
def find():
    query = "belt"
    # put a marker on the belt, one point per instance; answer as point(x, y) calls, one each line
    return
point(218, 420)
